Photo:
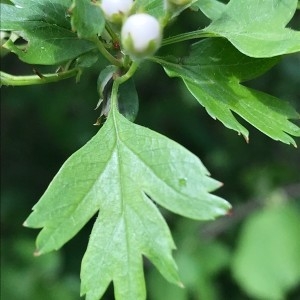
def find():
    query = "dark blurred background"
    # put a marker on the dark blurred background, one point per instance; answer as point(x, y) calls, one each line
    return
point(252, 254)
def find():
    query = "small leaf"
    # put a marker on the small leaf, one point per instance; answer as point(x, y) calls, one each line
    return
point(105, 80)
point(213, 9)
point(213, 72)
point(128, 102)
point(87, 18)
point(121, 172)
point(155, 8)
point(45, 25)
point(266, 262)
point(158, 8)
point(87, 60)
point(258, 28)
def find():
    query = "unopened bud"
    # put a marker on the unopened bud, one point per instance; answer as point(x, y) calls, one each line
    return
point(141, 35)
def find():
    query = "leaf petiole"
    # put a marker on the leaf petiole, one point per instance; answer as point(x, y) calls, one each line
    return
point(8, 79)
point(197, 34)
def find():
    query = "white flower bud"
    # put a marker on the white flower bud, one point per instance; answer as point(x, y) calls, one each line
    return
point(141, 35)
point(115, 10)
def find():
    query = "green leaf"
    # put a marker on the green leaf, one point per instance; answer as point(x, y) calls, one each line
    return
point(258, 28)
point(121, 172)
point(266, 262)
point(158, 8)
point(213, 72)
point(87, 18)
point(88, 59)
point(155, 8)
point(45, 25)
point(213, 9)
point(128, 101)
point(199, 261)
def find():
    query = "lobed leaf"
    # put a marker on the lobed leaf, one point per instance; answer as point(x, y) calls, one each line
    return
point(258, 28)
point(121, 172)
point(45, 26)
point(213, 72)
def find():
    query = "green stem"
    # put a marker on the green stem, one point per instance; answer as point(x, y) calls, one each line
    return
point(197, 34)
point(8, 79)
point(119, 80)
point(128, 74)
point(105, 53)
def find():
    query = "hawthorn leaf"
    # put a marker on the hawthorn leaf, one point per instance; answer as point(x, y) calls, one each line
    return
point(258, 28)
point(213, 9)
point(87, 18)
point(45, 25)
point(213, 73)
point(124, 172)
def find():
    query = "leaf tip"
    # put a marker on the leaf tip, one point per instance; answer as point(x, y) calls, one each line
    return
point(246, 137)
point(229, 212)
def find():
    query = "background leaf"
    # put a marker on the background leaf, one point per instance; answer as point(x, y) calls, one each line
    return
point(213, 72)
point(45, 26)
point(118, 172)
point(258, 28)
point(266, 262)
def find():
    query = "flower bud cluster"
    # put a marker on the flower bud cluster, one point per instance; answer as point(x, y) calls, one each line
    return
point(141, 33)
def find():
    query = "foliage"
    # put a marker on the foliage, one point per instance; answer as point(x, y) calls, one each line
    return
point(126, 170)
